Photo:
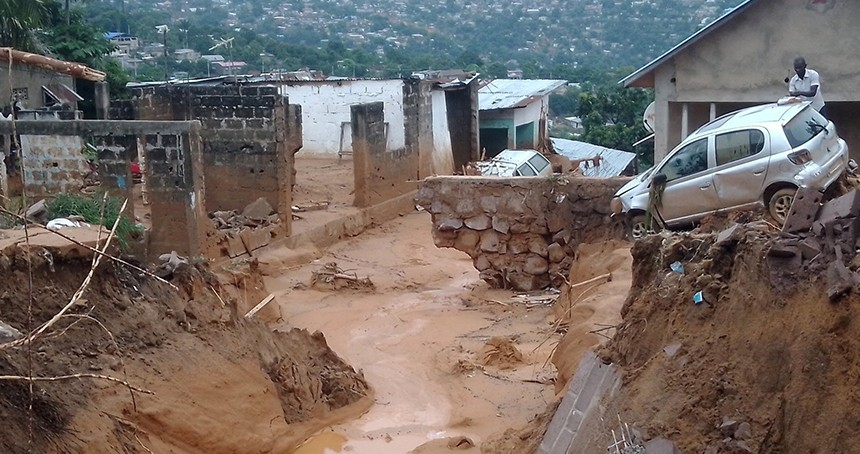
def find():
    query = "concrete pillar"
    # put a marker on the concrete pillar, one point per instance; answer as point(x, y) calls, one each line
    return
point(284, 163)
point(368, 138)
point(177, 192)
point(115, 156)
point(102, 100)
point(713, 113)
point(685, 121)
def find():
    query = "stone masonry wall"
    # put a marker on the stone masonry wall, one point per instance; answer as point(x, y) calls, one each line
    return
point(521, 233)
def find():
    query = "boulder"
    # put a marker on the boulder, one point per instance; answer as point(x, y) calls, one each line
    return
point(258, 210)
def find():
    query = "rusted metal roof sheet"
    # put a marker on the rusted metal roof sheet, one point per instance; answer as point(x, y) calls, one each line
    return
point(515, 93)
point(612, 162)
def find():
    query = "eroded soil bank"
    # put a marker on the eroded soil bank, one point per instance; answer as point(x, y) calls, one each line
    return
point(767, 363)
point(219, 383)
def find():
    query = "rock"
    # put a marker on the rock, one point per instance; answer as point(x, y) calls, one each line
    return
point(37, 210)
point(661, 446)
point(840, 280)
point(443, 239)
point(482, 263)
point(743, 446)
point(492, 277)
point(556, 252)
point(501, 224)
point(743, 432)
point(537, 245)
point(518, 245)
point(466, 240)
point(490, 241)
point(555, 222)
point(523, 282)
point(8, 334)
point(535, 265)
point(258, 210)
point(520, 225)
point(466, 207)
point(728, 427)
point(449, 225)
point(728, 235)
point(562, 237)
point(479, 222)
point(489, 204)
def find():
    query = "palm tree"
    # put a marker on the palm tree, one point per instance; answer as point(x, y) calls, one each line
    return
point(19, 20)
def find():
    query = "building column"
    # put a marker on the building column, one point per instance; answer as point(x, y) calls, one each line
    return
point(102, 100)
point(685, 121)
point(713, 111)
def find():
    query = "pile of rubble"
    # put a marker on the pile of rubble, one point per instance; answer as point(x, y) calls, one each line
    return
point(257, 214)
point(820, 238)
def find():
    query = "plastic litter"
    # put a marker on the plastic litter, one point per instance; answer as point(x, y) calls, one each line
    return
point(61, 223)
point(698, 297)
point(677, 267)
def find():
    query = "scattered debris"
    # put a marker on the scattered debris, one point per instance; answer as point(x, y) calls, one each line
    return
point(233, 221)
point(258, 210)
point(37, 211)
point(8, 333)
point(171, 261)
point(260, 305)
point(332, 276)
point(500, 352)
point(61, 223)
point(310, 206)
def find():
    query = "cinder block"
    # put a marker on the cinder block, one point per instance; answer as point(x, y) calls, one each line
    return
point(804, 209)
point(847, 205)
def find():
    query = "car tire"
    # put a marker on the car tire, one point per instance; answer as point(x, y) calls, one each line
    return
point(779, 204)
point(636, 228)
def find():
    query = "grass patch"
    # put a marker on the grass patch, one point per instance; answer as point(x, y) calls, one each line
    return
point(89, 208)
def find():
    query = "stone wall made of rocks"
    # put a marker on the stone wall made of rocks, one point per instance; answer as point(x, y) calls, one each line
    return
point(521, 233)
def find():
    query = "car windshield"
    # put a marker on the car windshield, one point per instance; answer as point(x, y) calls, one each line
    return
point(804, 126)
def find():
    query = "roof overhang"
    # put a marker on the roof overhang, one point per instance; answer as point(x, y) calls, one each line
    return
point(644, 76)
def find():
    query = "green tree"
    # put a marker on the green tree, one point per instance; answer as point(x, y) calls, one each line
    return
point(612, 117)
point(19, 19)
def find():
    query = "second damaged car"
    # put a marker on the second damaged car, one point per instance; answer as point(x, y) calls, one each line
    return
point(753, 157)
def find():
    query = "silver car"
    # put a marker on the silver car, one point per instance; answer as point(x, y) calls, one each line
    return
point(758, 156)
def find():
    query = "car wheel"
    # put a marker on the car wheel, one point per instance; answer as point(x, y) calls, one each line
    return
point(780, 204)
point(636, 227)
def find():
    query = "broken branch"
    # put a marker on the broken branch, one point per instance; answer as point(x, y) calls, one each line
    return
point(69, 377)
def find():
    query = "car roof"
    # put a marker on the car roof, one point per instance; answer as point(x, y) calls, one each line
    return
point(515, 156)
point(756, 115)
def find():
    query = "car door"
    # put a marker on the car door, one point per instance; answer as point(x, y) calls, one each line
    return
point(689, 192)
point(741, 160)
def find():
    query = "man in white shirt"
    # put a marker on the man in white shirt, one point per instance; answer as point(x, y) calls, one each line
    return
point(806, 84)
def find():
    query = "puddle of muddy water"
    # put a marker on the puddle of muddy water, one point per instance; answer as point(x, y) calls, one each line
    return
point(324, 443)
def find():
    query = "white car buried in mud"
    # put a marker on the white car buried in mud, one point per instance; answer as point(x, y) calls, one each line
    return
point(758, 156)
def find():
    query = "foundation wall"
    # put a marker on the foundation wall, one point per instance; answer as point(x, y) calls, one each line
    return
point(521, 233)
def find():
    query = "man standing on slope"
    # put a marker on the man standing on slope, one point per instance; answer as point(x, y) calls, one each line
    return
point(806, 84)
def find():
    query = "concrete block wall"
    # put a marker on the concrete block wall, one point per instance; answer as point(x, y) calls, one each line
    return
point(115, 153)
point(380, 174)
point(176, 193)
point(52, 164)
point(245, 141)
point(521, 233)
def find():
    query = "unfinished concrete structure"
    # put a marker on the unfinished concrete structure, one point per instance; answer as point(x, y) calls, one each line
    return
point(690, 84)
point(174, 172)
point(445, 112)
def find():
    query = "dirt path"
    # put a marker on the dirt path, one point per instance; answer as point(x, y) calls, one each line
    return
point(418, 338)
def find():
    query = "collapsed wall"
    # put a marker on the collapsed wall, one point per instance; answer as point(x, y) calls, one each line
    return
point(220, 382)
point(521, 233)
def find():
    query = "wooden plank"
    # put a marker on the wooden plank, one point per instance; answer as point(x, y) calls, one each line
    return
point(260, 305)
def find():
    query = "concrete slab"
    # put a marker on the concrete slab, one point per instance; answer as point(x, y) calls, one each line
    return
point(804, 210)
point(847, 205)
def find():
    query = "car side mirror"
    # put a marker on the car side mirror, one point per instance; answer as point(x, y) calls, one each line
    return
point(659, 178)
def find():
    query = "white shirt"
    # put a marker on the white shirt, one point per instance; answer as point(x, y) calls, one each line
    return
point(810, 79)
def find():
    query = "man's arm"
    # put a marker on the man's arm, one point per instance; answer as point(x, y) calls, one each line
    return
point(809, 94)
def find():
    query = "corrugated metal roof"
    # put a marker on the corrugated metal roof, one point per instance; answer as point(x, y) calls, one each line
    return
point(645, 70)
point(612, 162)
point(513, 93)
